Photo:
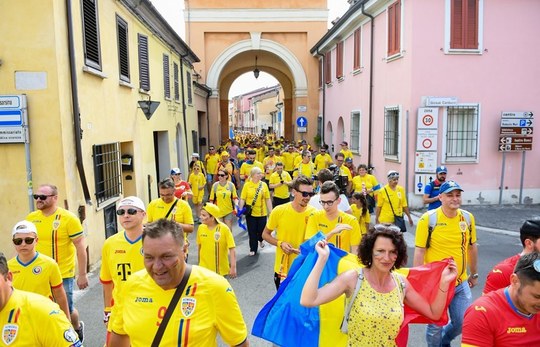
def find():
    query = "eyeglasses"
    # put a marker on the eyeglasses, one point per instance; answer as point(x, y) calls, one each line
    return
point(387, 227)
point(41, 196)
point(130, 211)
point(222, 175)
point(27, 240)
point(535, 265)
point(306, 194)
point(328, 203)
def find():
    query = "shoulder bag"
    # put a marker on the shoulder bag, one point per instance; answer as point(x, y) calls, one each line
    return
point(399, 221)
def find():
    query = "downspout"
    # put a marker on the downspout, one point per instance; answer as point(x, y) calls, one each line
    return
point(208, 119)
point(184, 103)
point(75, 104)
point(370, 127)
point(323, 96)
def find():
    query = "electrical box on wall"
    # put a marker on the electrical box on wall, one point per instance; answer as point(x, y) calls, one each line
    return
point(127, 162)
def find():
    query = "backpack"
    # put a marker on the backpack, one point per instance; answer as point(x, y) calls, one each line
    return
point(432, 222)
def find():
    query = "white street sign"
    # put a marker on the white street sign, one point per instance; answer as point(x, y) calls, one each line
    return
point(425, 162)
point(420, 182)
point(510, 114)
point(427, 117)
point(517, 122)
point(426, 140)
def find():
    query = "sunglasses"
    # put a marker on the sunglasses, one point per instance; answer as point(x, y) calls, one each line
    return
point(535, 265)
point(41, 196)
point(388, 227)
point(27, 240)
point(306, 194)
point(222, 175)
point(130, 211)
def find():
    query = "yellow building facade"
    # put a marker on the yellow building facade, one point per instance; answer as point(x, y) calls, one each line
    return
point(92, 72)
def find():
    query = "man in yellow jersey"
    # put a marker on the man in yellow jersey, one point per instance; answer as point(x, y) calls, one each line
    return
point(445, 232)
point(288, 221)
point(35, 272)
point(347, 153)
point(121, 255)
point(249, 164)
point(306, 166)
point(392, 201)
point(207, 303)
point(30, 319)
point(341, 229)
point(343, 172)
point(279, 182)
point(322, 160)
point(61, 238)
point(269, 163)
point(211, 159)
point(288, 156)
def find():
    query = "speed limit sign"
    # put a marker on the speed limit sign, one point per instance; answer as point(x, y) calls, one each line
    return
point(427, 117)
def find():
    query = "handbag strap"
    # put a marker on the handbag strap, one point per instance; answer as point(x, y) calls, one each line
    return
point(390, 201)
point(256, 194)
point(170, 209)
point(174, 301)
point(345, 322)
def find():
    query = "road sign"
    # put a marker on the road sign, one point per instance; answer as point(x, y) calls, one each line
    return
point(515, 139)
point(515, 147)
point(427, 117)
point(516, 131)
point(301, 122)
point(517, 122)
point(426, 140)
point(421, 180)
point(516, 114)
point(425, 162)
point(13, 119)
point(302, 129)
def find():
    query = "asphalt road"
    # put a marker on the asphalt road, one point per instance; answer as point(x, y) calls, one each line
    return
point(254, 285)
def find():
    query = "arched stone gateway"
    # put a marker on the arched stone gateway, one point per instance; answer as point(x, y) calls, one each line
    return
point(228, 37)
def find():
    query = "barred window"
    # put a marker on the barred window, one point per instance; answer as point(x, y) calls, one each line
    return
point(107, 171)
point(355, 131)
point(391, 133)
point(462, 133)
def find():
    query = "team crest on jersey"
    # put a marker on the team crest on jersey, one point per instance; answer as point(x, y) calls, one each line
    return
point(37, 270)
point(56, 224)
point(463, 226)
point(188, 306)
point(217, 235)
point(9, 333)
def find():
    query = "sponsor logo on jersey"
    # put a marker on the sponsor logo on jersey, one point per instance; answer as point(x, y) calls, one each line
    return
point(141, 299)
point(516, 330)
point(480, 308)
point(37, 270)
point(188, 306)
point(497, 271)
point(9, 333)
point(119, 251)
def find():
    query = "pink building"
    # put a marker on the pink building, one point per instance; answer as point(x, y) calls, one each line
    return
point(415, 84)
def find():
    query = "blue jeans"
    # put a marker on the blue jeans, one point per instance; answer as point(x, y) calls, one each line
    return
point(68, 287)
point(437, 336)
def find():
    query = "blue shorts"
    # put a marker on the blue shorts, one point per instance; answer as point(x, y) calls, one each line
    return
point(209, 178)
point(68, 287)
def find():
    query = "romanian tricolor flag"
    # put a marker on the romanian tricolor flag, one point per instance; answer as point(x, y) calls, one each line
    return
point(284, 322)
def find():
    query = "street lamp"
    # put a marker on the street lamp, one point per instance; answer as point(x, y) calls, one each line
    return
point(148, 107)
point(256, 71)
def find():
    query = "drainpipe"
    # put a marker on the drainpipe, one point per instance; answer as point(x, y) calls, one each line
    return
point(75, 103)
point(370, 127)
point(323, 96)
point(184, 103)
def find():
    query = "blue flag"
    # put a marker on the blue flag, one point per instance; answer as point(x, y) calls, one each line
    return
point(283, 320)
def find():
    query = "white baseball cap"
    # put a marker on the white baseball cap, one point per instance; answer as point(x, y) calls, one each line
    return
point(132, 201)
point(24, 226)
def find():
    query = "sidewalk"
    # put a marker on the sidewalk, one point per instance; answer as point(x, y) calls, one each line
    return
point(499, 218)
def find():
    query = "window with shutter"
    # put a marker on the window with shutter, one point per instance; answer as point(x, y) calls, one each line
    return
point(321, 73)
point(189, 88)
point(92, 51)
point(357, 43)
point(328, 68)
point(123, 48)
point(464, 24)
point(166, 77)
point(144, 66)
point(176, 84)
point(339, 60)
point(394, 28)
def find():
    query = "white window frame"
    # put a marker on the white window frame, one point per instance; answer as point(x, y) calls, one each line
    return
point(356, 137)
point(448, 30)
point(393, 157)
point(463, 159)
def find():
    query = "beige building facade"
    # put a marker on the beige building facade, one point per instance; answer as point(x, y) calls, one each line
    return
point(228, 36)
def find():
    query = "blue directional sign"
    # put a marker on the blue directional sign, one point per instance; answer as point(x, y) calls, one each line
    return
point(13, 119)
point(301, 122)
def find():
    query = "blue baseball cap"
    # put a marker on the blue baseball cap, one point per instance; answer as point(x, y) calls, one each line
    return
point(449, 186)
point(441, 169)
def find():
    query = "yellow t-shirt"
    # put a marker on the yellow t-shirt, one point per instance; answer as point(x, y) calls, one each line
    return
point(288, 160)
point(270, 164)
point(248, 194)
point(347, 153)
point(322, 161)
point(290, 227)
point(223, 196)
point(196, 181)
point(344, 171)
point(368, 181)
point(214, 248)
point(362, 220)
point(450, 238)
point(157, 209)
point(245, 169)
point(38, 276)
point(56, 233)
point(31, 320)
point(398, 199)
point(307, 170)
point(207, 306)
point(211, 162)
point(297, 159)
point(261, 151)
point(282, 191)
point(318, 221)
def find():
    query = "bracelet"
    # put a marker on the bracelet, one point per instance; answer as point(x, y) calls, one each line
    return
point(444, 291)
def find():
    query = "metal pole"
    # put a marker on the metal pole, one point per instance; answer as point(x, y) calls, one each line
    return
point(26, 126)
point(522, 175)
point(502, 178)
point(407, 153)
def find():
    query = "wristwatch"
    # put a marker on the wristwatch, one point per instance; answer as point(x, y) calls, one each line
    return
point(474, 276)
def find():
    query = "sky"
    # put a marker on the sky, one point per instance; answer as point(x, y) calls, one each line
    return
point(172, 11)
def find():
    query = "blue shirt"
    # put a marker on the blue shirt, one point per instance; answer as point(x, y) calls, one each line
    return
point(432, 189)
